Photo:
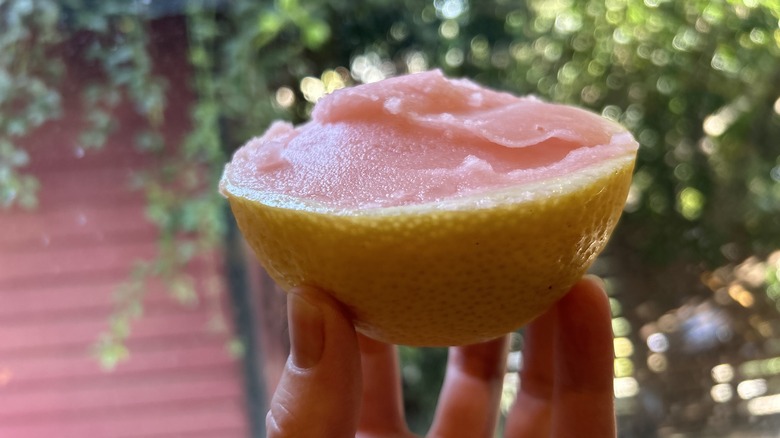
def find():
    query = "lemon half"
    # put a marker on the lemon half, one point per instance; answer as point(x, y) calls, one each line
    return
point(453, 268)
point(425, 275)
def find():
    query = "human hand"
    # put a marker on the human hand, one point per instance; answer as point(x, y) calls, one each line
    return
point(338, 383)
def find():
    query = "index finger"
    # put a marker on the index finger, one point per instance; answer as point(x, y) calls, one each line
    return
point(469, 400)
point(532, 410)
point(583, 398)
point(382, 411)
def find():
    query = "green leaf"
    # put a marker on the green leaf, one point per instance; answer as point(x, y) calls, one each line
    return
point(182, 288)
point(117, 56)
point(204, 29)
point(6, 149)
point(315, 34)
point(110, 354)
point(22, 7)
point(190, 215)
point(99, 119)
point(94, 22)
point(199, 58)
point(289, 6)
point(268, 27)
point(158, 213)
point(149, 141)
point(19, 158)
point(236, 348)
point(16, 127)
point(92, 93)
point(6, 85)
point(92, 139)
point(120, 327)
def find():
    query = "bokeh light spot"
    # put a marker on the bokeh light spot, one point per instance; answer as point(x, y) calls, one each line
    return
point(568, 22)
point(416, 62)
point(509, 391)
point(721, 393)
point(621, 327)
point(658, 342)
point(624, 367)
point(626, 387)
point(751, 388)
point(764, 405)
point(623, 347)
point(312, 88)
point(285, 97)
point(454, 57)
point(690, 202)
point(741, 295)
point(657, 362)
point(722, 373)
point(449, 29)
point(450, 8)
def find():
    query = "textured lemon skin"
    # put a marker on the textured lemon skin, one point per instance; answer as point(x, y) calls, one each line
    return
point(440, 278)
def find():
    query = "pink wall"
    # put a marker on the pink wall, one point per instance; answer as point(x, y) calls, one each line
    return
point(59, 266)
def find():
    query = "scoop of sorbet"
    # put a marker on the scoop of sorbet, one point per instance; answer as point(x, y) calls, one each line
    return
point(418, 139)
point(436, 211)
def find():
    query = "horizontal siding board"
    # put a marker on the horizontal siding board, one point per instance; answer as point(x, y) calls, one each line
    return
point(65, 188)
point(46, 301)
point(136, 346)
point(62, 228)
point(156, 309)
point(181, 419)
point(117, 157)
point(212, 433)
point(114, 273)
point(94, 400)
point(50, 203)
point(73, 260)
point(85, 330)
point(18, 285)
point(58, 300)
point(78, 368)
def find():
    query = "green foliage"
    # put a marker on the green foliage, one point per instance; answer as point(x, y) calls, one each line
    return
point(180, 191)
point(696, 82)
point(423, 373)
point(27, 99)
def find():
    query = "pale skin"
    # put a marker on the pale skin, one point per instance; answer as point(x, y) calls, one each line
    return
point(338, 383)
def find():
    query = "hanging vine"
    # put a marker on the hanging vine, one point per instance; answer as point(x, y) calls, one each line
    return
point(227, 76)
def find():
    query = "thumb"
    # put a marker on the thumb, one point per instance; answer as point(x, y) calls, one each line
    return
point(319, 392)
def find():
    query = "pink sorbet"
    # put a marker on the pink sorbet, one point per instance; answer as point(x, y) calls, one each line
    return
point(422, 138)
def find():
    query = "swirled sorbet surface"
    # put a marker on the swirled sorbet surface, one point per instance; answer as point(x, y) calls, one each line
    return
point(418, 139)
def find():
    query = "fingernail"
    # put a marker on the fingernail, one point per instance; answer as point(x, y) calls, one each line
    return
point(306, 331)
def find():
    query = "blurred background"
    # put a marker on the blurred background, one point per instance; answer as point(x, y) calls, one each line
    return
point(130, 307)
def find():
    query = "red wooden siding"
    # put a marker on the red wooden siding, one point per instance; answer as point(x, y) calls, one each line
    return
point(59, 266)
